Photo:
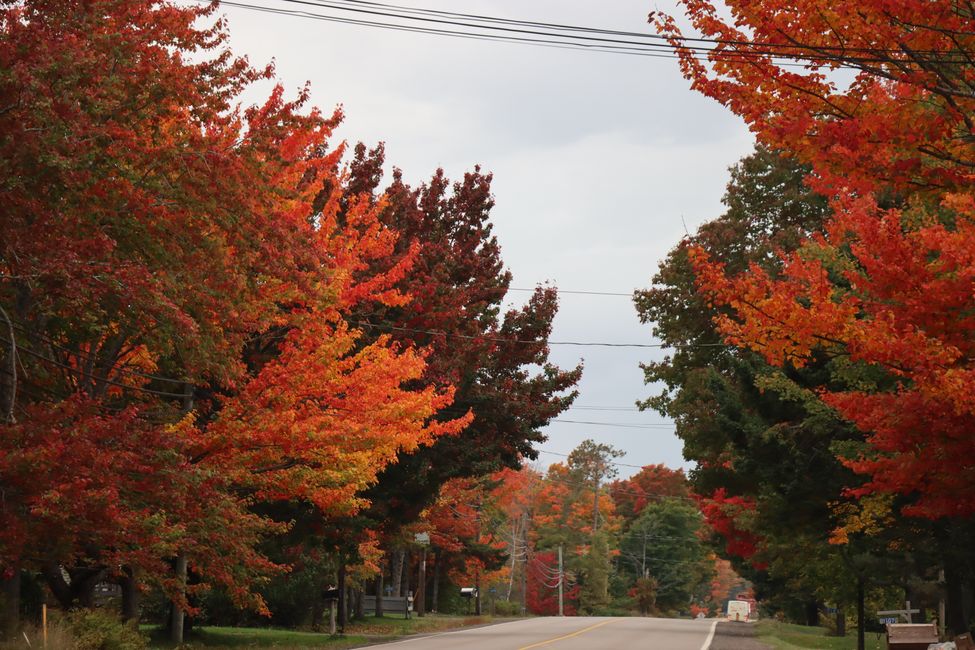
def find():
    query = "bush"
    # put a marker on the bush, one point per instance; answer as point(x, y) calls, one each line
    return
point(507, 608)
point(611, 610)
point(99, 630)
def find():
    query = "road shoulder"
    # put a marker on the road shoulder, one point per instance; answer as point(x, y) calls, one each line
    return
point(736, 636)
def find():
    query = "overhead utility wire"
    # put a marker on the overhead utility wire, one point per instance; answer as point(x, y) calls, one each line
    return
point(492, 339)
point(622, 425)
point(586, 293)
point(555, 453)
point(558, 44)
point(786, 50)
point(580, 40)
point(598, 30)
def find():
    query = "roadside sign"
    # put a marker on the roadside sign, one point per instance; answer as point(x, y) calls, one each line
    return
point(889, 620)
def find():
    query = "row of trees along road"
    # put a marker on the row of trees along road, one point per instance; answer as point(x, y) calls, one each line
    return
point(822, 373)
point(638, 545)
point(225, 351)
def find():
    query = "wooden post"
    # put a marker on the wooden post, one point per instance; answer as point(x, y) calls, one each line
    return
point(331, 616)
point(561, 581)
point(524, 585)
point(44, 623)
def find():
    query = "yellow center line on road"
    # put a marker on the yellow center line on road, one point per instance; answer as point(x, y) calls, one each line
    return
point(567, 636)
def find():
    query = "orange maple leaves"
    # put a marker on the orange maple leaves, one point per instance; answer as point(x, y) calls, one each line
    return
point(888, 286)
point(179, 271)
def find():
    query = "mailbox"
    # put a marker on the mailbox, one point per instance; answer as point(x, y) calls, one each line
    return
point(468, 592)
point(330, 593)
point(907, 636)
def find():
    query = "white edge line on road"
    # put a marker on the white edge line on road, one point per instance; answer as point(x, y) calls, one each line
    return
point(419, 637)
point(707, 641)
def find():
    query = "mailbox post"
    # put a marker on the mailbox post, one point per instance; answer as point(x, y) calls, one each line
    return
point(470, 593)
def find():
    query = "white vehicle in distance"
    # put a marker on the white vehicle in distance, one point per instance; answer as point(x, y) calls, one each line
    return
point(739, 610)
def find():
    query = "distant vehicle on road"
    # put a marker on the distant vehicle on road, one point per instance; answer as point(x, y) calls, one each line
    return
point(739, 610)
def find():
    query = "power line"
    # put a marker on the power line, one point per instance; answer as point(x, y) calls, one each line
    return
point(596, 30)
point(584, 293)
point(628, 409)
point(79, 371)
point(617, 490)
point(495, 339)
point(565, 36)
point(555, 453)
point(621, 425)
point(554, 42)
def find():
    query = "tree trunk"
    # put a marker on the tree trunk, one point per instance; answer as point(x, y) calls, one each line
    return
point(812, 613)
point(9, 602)
point(78, 590)
point(840, 621)
point(407, 575)
point(436, 583)
point(379, 593)
point(130, 595)
point(360, 604)
point(955, 619)
point(916, 602)
point(317, 613)
point(861, 615)
point(396, 569)
point(177, 614)
point(343, 597)
point(421, 585)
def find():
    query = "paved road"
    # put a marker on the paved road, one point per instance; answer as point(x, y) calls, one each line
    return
point(570, 633)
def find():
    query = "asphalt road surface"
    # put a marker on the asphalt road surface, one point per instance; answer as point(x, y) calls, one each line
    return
point(570, 633)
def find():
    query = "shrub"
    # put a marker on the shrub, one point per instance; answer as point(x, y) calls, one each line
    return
point(99, 630)
point(507, 608)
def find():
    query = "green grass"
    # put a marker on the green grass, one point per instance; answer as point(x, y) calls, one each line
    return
point(782, 636)
point(236, 637)
point(398, 626)
point(358, 633)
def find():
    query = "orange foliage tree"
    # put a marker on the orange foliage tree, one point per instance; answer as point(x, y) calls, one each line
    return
point(888, 283)
point(884, 292)
point(173, 286)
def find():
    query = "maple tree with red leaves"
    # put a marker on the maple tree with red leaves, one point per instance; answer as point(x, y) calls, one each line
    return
point(174, 282)
point(888, 282)
point(497, 361)
point(883, 293)
point(543, 595)
point(651, 483)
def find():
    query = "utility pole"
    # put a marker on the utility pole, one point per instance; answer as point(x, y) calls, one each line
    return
point(561, 581)
point(595, 500)
point(524, 573)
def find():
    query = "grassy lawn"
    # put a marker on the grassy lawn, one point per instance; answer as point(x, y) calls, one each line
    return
point(398, 626)
point(357, 633)
point(782, 636)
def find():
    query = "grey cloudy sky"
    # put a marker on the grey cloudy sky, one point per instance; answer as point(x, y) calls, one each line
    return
point(599, 161)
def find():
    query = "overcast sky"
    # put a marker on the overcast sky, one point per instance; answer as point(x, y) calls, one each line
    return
point(601, 161)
